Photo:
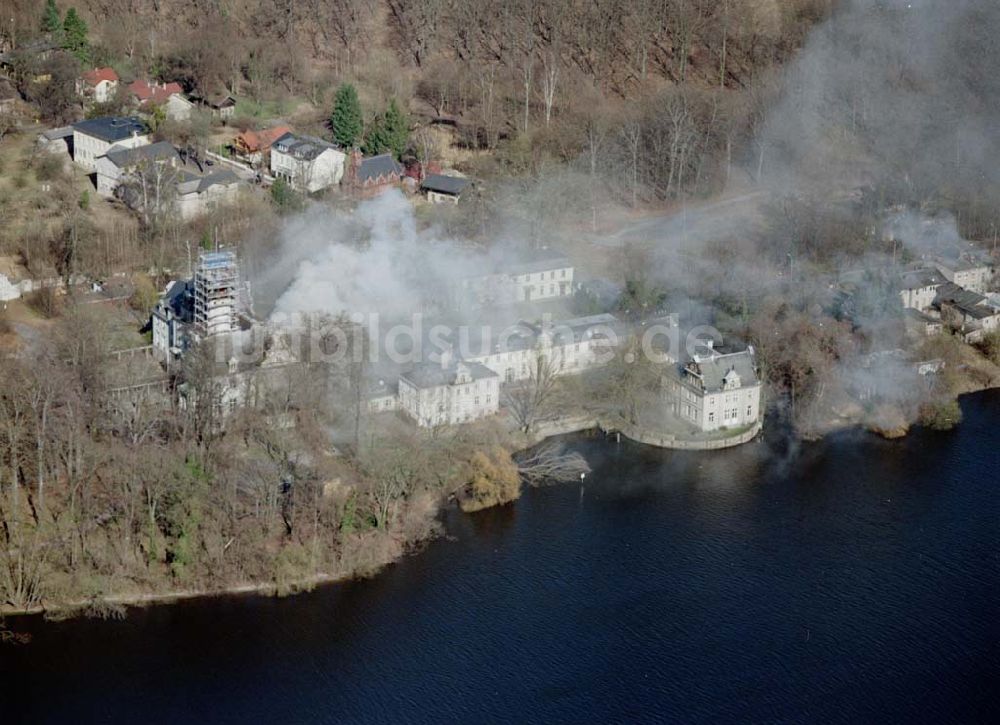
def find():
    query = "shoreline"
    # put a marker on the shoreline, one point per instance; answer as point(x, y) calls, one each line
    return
point(550, 429)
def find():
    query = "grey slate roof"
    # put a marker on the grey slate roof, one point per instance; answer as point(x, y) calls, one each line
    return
point(443, 184)
point(124, 157)
point(713, 369)
point(111, 128)
point(302, 147)
point(959, 296)
point(374, 166)
point(56, 133)
point(920, 278)
point(193, 184)
point(432, 375)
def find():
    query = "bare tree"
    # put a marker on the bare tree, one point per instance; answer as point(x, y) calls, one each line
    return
point(533, 399)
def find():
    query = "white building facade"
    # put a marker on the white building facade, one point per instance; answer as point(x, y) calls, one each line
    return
point(307, 163)
point(433, 394)
point(715, 390)
point(94, 137)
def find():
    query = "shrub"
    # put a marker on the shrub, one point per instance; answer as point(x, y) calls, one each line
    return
point(941, 416)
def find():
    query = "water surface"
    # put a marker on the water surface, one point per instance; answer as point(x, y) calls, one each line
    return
point(850, 580)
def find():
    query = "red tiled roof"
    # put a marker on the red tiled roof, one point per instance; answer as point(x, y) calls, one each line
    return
point(261, 140)
point(155, 92)
point(93, 77)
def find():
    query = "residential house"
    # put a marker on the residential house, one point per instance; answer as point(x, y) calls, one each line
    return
point(172, 319)
point(448, 393)
point(254, 146)
point(306, 162)
point(967, 271)
point(119, 161)
point(443, 189)
point(372, 175)
point(95, 136)
point(198, 194)
point(918, 287)
point(920, 325)
point(169, 96)
point(715, 389)
point(98, 84)
point(968, 311)
point(220, 105)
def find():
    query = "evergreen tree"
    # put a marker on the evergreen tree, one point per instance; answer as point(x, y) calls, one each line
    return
point(51, 22)
point(346, 119)
point(376, 139)
point(396, 127)
point(75, 35)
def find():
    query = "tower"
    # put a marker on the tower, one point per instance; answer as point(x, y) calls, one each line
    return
point(216, 285)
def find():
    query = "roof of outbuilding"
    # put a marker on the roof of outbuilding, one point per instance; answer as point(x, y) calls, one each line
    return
point(122, 156)
point(950, 292)
point(374, 166)
point(111, 128)
point(193, 184)
point(443, 184)
point(262, 140)
point(53, 133)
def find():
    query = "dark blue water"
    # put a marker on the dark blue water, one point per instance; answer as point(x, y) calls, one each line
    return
point(853, 580)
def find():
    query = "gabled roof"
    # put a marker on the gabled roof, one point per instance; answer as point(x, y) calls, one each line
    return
point(433, 375)
point(371, 168)
point(124, 157)
point(95, 76)
point(192, 184)
point(302, 147)
point(111, 128)
point(154, 92)
point(443, 184)
point(261, 140)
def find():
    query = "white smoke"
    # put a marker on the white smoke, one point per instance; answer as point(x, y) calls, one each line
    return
point(371, 260)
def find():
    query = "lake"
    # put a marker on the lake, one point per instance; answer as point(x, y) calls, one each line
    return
point(848, 580)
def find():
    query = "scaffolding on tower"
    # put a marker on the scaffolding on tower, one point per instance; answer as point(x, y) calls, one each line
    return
point(216, 288)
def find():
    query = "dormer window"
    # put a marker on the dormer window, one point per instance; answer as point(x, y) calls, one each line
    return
point(731, 381)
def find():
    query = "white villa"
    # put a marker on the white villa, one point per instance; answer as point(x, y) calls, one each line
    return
point(307, 163)
point(715, 390)
point(94, 137)
point(446, 393)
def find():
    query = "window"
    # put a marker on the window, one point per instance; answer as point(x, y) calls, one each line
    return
point(711, 417)
point(476, 401)
point(563, 274)
point(749, 411)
